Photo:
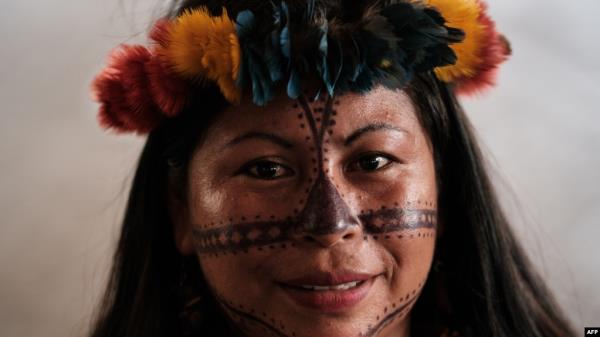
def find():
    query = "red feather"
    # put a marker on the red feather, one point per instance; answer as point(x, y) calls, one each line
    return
point(110, 93)
point(495, 51)
point(160, 32)
point(123, 91)
point(144, 114)
point(168, 91)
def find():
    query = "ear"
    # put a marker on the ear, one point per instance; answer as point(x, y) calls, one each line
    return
point(182, 227)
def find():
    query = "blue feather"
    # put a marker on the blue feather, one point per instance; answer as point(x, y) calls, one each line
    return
point(273, 57)
point(317, 95)
point(361, 61)
point(276, 13)
point(322, 66)
point(244, 23)
point(310, 10)
point(262, 91)
point(284, 35)
point(252, 67)
point(364, 81)
point(294, 87)
point(338, 58)
point(408, 37)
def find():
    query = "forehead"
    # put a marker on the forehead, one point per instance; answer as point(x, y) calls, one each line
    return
point(350, 110)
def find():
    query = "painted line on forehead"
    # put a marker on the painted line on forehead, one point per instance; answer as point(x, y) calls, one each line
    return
point(326, 117)
point(316, 135)
point(240, 237)
point(318, 132)
point(325, 211)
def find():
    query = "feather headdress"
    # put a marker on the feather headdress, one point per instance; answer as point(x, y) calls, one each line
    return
point(387, 45)
point(482, 50)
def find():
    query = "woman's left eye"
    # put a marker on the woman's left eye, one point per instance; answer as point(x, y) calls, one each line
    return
point(267, 170)
point(370, 162)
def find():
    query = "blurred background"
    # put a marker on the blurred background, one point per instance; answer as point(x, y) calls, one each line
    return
point(63, 181)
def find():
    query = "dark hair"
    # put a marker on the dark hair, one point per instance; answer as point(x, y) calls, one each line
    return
point(481, 283)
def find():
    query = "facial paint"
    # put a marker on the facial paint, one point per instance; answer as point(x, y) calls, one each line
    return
point(324, 210)
point(320, 211)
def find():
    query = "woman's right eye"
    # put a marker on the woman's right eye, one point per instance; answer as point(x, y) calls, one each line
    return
point(267, 170)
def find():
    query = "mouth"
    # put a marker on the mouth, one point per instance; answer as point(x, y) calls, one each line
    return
point(343, 286)
point(329, 293)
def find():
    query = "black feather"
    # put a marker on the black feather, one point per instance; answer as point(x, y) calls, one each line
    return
point(386, 45)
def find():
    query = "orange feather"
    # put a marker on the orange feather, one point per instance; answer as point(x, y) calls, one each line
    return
point(462, 14)
point(201, 46)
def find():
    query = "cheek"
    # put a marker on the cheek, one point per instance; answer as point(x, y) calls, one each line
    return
point(226, 274)
point(234, 200)
point(237, 236)
point(411, 200)
point(402, 220)
point(412, 252)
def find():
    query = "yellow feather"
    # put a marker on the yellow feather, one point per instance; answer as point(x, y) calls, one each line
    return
point(236, 55)
point(203, 46)
point(463, 14)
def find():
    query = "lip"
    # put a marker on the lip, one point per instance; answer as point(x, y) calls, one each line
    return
point(328, 301)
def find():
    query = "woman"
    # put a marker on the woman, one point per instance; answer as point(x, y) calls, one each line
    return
point(309, 172)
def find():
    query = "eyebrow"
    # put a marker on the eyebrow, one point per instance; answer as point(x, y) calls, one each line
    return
point(260, 135)
point(370, 128)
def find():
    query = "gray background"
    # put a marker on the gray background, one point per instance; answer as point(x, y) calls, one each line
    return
point(63, 181)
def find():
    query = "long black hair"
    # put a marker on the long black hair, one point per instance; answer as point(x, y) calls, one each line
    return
point(481, 283)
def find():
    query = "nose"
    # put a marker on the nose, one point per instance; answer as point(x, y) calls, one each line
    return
point(326, 218)
point(330, 240)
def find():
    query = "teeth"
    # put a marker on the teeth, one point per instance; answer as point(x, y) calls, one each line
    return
point(343, 286)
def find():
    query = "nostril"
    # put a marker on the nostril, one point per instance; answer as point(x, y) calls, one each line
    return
point(348, 236)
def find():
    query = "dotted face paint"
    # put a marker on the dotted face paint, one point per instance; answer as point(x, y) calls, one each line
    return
point(360, 198)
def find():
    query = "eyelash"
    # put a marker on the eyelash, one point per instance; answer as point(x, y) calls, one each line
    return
point(247, 169)
point(352, 167)
point(390, 160)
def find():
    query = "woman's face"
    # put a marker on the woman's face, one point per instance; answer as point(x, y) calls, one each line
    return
point(315, 218)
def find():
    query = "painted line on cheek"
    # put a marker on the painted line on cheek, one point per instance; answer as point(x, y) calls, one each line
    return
point(240, 237)
point(398, 312)
point(396, 219)
point(255, 319)
point(243, 236)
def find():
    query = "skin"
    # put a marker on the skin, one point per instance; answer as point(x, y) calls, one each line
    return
point(338, 184)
